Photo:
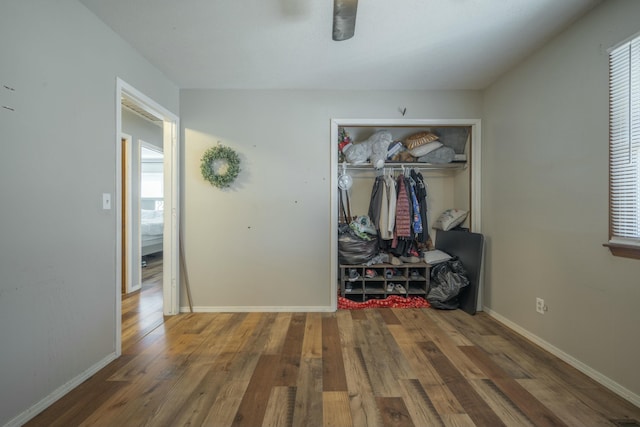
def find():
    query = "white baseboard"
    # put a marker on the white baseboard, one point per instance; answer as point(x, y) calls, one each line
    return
point(59, 392)
point(585, 369)
point(242, 309)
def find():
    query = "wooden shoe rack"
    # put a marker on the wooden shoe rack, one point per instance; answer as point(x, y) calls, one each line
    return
point(414, 279)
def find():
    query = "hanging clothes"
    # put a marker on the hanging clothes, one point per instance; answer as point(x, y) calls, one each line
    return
point(402, 237)
point(416, 220)
point(421, 194)
point(392, 196)
point(403, 210)
point(423, 238)
point(398, 210)
point(383, 224)
point(376, 201)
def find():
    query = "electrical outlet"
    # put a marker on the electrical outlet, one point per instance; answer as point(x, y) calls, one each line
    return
point(540, 307)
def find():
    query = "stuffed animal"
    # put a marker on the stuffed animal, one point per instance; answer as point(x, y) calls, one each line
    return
point(374, 148)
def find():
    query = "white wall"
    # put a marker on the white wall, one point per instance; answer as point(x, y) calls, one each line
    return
point(545, 200)
point(57, 245)
point(264, 243)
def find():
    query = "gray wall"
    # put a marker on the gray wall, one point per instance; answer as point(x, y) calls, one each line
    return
point(57, 245)
point(264, 243)
point(545, 200)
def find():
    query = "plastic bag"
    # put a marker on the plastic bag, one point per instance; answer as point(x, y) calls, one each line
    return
point(363, 227)
point(353, 249)
point(357, 154)
point(374, 147)
point(447, 279)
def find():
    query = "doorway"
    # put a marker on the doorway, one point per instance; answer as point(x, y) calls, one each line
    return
point(126, 224)
point(150, 200)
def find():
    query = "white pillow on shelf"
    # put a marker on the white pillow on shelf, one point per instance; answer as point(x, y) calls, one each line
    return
point(450, 219)
point(423, 149)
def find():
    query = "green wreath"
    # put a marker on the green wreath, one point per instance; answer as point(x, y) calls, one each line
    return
point(217, 159)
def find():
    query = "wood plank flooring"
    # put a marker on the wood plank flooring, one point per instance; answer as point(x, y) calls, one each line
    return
point(378, 367)
point(142, 310)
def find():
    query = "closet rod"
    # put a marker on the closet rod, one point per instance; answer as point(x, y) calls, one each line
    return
point(410, 165)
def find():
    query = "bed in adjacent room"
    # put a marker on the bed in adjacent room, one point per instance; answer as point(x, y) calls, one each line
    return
point(151, 227)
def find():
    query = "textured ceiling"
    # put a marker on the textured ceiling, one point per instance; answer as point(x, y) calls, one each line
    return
point(286, 44)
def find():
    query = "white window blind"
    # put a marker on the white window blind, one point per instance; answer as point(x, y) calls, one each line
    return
point(624, 142)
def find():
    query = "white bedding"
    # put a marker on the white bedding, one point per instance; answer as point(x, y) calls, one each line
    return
point(151, 223)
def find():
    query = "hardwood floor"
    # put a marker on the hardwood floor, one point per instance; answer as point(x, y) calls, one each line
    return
point(378, 367)
point(142, 310)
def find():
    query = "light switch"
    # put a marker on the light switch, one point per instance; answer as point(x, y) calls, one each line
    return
point(106, 201)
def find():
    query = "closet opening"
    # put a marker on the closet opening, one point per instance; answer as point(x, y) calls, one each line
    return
point(393, 264)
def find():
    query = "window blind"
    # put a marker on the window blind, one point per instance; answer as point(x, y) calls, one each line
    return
point(624, 141)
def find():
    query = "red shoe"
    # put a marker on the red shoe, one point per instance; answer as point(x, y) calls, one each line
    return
point(370, 273)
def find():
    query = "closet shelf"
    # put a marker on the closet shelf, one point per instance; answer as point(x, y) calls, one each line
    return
point(409, 165)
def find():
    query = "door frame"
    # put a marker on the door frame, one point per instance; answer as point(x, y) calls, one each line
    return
point(127, 212)
point(171, 143)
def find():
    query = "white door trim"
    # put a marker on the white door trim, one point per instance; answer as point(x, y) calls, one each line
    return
point(130, 286)
point(475, 187)
point(171, 273)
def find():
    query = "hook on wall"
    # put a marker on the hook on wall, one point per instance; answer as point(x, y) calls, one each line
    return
point(403, 111)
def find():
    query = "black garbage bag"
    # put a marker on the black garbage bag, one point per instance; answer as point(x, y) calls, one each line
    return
point(352, 249)
point(447, 279)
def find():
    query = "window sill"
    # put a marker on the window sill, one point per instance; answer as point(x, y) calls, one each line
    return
point(626, 251)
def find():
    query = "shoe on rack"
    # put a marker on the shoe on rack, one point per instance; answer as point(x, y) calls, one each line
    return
point(414, 275)
point(370, 273)
point(353, 275)
point(390, 287)
point(390, 272)
point(400, 288)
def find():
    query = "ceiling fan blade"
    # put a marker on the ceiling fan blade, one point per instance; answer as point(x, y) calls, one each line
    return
point(344, 19)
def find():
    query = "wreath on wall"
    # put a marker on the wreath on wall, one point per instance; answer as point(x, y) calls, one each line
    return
point(220, 166)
